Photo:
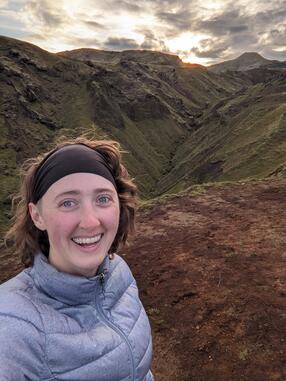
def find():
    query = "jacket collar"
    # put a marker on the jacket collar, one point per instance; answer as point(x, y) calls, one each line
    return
point(66, 288)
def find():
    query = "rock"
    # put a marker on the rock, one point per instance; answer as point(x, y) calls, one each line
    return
point(14, 53)
point(32, 92)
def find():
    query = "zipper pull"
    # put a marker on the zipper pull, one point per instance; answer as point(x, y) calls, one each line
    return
point(102, 282)
point(102, 277)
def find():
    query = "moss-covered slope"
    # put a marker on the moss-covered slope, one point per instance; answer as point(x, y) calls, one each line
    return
point(180, 123)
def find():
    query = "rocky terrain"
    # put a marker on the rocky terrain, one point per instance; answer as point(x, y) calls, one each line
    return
point(211, 266)
point(210, 263)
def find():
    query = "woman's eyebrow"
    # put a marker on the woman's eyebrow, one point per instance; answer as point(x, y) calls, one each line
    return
point(78, 192)
point(68, 193)
point(104, 190)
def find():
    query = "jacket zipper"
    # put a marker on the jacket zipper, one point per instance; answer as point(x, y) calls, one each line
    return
point(114, 326)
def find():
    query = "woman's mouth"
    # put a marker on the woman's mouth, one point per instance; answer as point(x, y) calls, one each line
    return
point(87, 241)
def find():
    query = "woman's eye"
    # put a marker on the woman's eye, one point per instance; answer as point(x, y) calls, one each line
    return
point(104, 199)
point(68, 204)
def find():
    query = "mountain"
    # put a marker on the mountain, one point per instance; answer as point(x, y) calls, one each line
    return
point(181, 123)
point(102, 56)
point(241, 136)
point(246, 61)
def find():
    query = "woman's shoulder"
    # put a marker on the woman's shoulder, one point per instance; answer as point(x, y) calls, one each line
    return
point(120, 269)
point(16, 300)
point(120, 277)
point(17, 285)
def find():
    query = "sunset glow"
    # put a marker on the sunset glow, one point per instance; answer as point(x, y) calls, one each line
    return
point(185, 41)
point(198, 32)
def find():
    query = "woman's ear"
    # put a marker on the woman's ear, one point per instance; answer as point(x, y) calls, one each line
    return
point(36, 216)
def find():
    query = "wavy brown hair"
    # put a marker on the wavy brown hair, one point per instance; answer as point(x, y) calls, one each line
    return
point(27, 240)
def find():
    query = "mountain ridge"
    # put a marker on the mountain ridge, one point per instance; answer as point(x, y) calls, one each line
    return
point(246, 61)
point(142, 56)
point(181, 124)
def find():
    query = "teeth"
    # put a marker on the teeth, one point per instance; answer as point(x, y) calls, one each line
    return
point(87, 241)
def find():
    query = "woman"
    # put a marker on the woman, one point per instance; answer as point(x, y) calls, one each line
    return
point(74, 312)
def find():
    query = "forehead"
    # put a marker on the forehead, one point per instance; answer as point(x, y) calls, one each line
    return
point(80, 182)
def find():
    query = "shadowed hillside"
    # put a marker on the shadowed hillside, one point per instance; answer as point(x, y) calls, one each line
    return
point(246, 61)
point(241, 136)
point(181, 123)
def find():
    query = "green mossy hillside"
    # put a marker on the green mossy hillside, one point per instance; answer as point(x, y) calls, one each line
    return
point(181, 124)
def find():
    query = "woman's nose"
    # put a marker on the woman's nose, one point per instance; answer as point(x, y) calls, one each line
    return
point(88, 218)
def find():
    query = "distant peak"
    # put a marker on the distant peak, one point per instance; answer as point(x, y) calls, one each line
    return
point(250, 54)
point(246, 61)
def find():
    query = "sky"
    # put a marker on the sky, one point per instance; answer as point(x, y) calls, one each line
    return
point(198, 31)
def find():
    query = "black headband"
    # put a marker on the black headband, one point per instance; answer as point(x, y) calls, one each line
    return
point(69, 159)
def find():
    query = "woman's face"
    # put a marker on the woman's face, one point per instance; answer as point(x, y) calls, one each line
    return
point(80, 213)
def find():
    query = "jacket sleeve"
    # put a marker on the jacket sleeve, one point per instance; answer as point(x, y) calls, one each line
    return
point(21, 350)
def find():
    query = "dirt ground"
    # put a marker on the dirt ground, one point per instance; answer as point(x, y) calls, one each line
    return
point(211, 268)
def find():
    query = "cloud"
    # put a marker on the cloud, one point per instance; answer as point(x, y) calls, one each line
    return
point(238, 28)
point(180, 20)
point(170, 4)
point(93, 24)
point(244, 40)
point(82, 42)
point(273, 54)
point(270, 17)
point(278, 36)
point(209, 30)
point(151, 41)
point(118, 6)
point(209, 51)
point(229, 21)
point(37, 37)
point(45, 14)
point(114, 43)
point(128, 5)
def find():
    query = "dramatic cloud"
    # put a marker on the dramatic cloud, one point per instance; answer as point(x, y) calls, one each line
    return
point(129, 6)
point(151, 42)
point(209, 48)
point(45, 14)
point(180, 20)
point(93, 24)
point(219, 25)
point(115, 43)
point(204, 32)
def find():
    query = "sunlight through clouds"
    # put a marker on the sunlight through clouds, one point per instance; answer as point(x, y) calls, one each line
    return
point(185, 41)
point(199, 32)
point(125, 25)
point(183, 45)
point(214, 5)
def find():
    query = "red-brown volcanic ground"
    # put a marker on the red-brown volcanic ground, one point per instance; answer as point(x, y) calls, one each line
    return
point(211, 268)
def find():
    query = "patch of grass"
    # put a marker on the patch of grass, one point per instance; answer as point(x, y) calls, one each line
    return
point(243, 354)
point(153, 311)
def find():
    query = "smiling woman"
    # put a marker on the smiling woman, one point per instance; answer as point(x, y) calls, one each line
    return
point(80, 213)
point(74, 312)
